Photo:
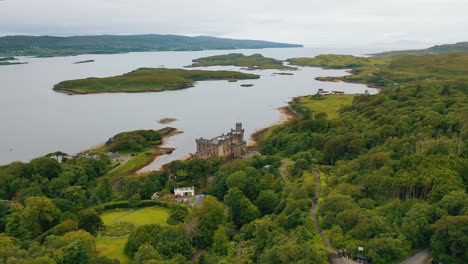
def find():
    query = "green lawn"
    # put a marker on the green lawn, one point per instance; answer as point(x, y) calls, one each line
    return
point(114, 247)
point(329, 104)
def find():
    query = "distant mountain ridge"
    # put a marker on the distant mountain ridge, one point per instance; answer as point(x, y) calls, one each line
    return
point(438, 49)
point(50, 46)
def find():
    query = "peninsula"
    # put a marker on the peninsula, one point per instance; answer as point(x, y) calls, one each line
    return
point(252, 62)
point(7, 61)
point(50, 46)
point(437, 49)
point(147, 80)
point(332, 61)
point(393, 71)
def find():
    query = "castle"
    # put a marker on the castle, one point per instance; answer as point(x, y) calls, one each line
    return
point(231, 145)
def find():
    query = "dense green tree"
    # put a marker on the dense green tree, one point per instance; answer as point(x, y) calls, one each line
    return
point(167, 241)
point(134, 201)
point(4, 211)
point(241, 210)
point(207, 217)
point(292, 252)
point(90, 221)
point(455, 203)
point(332, 206)
point(103, 191)
point(387, 249)
point(146, 252)
point(75, 253)
point(15, 226)
point(267, 201)
point(46, 167)
point(449, 242)
point(39, 215)
point(416, 224)
point(143, 234)
point(220, 242)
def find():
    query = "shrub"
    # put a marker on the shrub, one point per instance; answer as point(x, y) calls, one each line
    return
point(119, 229)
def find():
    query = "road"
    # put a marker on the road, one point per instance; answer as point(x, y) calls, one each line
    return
point(421, 257)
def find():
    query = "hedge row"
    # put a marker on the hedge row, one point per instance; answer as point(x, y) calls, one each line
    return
point(144, 203)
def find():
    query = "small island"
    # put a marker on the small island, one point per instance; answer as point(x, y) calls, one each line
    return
point(147, 80)
point(252, 62)
point(166, 120)
point(7, 61)
point(85, 61)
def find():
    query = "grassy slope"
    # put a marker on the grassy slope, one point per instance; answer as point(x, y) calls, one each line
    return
point(438, 49)
point(335, 61)
point(134, 164)
point(394, 70)
point(329, 104)
point(147, 80)
point(255, 61)
point(114, 247)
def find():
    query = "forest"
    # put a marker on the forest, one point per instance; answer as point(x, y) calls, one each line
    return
point(393, 178)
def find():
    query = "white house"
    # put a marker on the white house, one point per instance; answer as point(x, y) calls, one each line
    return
point(184, 191)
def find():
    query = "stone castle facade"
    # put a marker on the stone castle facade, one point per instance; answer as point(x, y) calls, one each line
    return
point(231, 145)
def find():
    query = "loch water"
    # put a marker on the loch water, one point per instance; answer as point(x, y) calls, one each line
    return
point(35, 120)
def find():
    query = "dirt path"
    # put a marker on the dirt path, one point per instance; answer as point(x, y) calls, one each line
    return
point(196, 255)
point(282, 170)
point(422, 257)
point(313, 212)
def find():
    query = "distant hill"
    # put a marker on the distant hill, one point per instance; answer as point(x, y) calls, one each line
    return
point(49, 46)
point(438, 49)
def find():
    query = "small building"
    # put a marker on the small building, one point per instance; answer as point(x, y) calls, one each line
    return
point(338, 92)
point(362, 259)
point(184, 191)
point(322, 92)
point(155, 196)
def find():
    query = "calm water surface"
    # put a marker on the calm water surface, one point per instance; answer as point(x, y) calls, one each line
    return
point(36, 120)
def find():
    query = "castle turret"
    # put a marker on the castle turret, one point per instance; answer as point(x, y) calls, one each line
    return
point(239, 127)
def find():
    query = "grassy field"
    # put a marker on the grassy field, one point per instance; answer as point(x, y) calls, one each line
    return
point(255, 61)
point(147, 80)
point(114, 247)
point(143, 216)
point(329, 104)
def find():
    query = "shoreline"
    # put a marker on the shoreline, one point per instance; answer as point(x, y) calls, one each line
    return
point(287, 115)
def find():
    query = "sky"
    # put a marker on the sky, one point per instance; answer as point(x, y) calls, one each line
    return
point(335, 23)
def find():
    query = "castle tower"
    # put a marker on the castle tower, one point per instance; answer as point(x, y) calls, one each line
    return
point(238, 127)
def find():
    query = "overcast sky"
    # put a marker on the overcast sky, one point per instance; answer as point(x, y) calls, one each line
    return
point(337, 23)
